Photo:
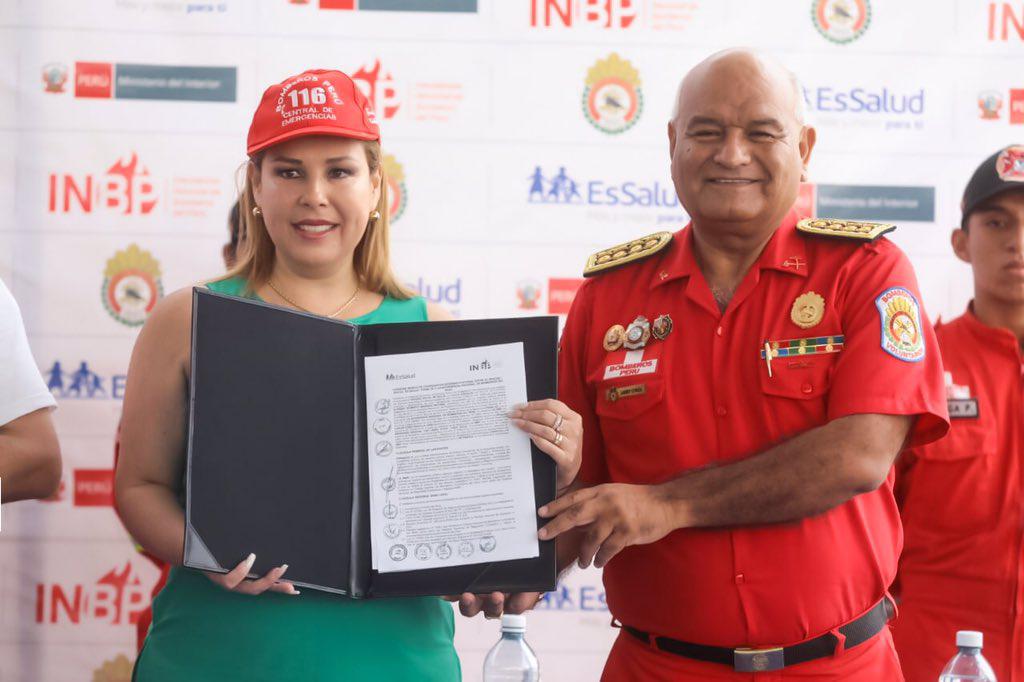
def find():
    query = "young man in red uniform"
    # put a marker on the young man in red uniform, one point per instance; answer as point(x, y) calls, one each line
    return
point(962, 498)
point(745, 386)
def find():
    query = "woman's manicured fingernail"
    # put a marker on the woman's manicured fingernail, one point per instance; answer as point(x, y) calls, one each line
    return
point(250, 560)
point(543, 510)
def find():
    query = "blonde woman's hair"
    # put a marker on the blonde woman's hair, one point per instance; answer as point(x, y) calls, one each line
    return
point(372, 257)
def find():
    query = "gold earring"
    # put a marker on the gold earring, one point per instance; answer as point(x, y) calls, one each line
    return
point(257, 211)
point(375, 216)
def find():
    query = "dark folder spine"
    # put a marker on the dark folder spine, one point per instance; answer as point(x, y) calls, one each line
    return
point(361, 555)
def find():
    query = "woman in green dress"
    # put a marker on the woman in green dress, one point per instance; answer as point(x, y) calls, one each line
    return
point(316, 239)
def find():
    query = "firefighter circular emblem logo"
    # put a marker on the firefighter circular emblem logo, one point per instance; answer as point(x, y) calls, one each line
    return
point(841, 21)
point(396, 187)
point(131, 285)
point(1010, 164)
point(901, 324)
point(612, 98)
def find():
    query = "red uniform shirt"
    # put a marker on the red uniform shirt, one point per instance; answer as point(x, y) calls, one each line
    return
point(963, 511)
point(703, 396)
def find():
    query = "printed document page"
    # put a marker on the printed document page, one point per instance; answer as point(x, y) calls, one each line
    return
point(451, 478)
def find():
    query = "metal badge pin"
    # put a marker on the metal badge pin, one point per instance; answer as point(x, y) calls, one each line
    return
point(768, 357)
point(614, 337)
point(638, 333)
point(662, 327)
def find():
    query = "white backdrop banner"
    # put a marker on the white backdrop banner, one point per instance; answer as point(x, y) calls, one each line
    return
point(521, 135)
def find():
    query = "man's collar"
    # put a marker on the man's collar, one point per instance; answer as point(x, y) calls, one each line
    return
point(785, 252)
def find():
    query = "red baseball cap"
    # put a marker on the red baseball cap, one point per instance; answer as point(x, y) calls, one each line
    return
point(318, 102)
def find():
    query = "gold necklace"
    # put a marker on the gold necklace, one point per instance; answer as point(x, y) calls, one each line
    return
point(337, 312)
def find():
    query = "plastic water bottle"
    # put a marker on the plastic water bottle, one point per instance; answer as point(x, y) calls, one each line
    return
point(512, 659)
point(968, 664)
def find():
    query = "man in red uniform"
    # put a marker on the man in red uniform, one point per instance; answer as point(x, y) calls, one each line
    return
point(745, 386)
point(962, 498)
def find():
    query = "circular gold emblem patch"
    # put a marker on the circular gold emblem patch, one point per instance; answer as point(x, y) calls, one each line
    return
point(808, 310)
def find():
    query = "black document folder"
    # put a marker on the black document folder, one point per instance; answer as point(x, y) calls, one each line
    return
point(277, 461)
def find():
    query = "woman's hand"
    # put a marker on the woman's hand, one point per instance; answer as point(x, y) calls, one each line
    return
point(235, 580)
point(557, 431)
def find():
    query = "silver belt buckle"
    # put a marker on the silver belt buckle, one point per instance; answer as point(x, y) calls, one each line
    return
point(746, 660)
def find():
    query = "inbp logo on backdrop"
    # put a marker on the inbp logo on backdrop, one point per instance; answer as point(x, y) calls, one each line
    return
point(614, 15)
point(1005, 21)
point(380, 88)
point(125, 188)
point(104, 80)
point(118, 597)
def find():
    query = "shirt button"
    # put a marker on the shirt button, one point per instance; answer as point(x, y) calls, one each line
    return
point(806, 388)
point(739, 579)
point(719, 331)
point(721, 411)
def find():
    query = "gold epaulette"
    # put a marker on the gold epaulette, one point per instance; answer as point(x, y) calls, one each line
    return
point(847, 229)
point(630, 252)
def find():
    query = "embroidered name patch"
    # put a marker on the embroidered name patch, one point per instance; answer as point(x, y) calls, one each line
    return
point(901, 324)
point(615, 393)
point(962, 408)
point(630, 369)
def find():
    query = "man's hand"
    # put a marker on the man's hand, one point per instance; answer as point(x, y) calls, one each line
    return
point(611, 517)
point(495, 603)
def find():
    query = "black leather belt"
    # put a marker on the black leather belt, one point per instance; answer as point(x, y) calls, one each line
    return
point(761, 660)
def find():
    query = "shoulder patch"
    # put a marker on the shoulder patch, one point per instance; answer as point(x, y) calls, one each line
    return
point(900, 316)
point(630, 252)
point(847, 229)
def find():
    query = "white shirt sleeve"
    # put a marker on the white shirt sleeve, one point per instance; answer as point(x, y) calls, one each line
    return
point(22, 389)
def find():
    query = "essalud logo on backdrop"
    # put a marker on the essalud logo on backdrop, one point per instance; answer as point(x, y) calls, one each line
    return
point(612, 97)
point(841, 21)
point(562, 188)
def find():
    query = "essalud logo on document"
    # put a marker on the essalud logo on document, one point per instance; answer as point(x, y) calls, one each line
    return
point(612, 97)
point(841, 21)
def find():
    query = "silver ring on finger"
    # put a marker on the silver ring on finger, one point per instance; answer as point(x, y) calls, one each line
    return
point(558, 438)
point(559, 419)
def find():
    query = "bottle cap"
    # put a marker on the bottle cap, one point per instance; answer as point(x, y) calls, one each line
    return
point(513, 622)
point(970, 639)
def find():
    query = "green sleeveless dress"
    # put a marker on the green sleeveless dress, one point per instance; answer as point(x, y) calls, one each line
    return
point(201, 631)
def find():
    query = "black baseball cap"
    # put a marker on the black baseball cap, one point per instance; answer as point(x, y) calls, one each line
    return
point(1001, 172)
